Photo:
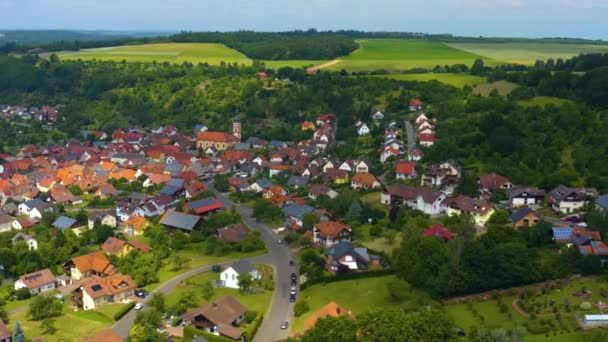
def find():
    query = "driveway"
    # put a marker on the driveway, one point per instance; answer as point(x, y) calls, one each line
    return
point(411, 136)
point(278, 256)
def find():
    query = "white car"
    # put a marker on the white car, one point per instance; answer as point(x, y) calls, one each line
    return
point(139, 306)
point(293, 290)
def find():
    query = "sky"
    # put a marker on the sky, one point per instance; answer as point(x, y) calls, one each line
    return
point(502, 18)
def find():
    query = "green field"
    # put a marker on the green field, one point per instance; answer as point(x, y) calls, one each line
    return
point(456, 80)
point(175, 53)
point(402, 54)
point(542, 101)
point(504, 88)
point(527, 53)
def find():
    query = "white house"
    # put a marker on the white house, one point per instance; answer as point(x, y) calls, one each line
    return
point(430, 202)
point(37, 282)
point(363, 130)
point(31, 242)
point(230, 276)
point(378, 116)
point(387, 153)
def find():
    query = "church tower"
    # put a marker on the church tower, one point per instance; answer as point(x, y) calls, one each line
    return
point(236, 128)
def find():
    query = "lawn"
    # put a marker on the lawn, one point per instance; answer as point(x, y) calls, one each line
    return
point(176, 53)
point(254, 302)
point(382, 244)
point(402, 54)
point(504, 88)
point(292, 63)
point(462, 315)
point(542, 101)
point(358, 296)
point(456, 80)
point(195, 254)
point(72, 325)
point(527, 53)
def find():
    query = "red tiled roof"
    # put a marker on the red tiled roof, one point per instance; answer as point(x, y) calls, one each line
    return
point(426, 137)
point(492, 181)
point(415, 102)
point(331, 229)
point(405, 168)
point(439, 231)
point(216, 137)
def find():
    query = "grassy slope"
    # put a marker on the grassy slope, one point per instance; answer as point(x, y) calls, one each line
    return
point(292, 63)
point(170, 52)
point(257, 302)
point(401, 54)
point(456, 80)
point(527, 53)
point(355, 295)
point(503, 87)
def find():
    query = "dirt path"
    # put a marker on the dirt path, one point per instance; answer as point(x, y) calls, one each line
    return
point(515, 305)
point(324, 65)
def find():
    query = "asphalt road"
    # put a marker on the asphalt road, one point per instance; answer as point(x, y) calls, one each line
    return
point(278, 256)
point(411, 136)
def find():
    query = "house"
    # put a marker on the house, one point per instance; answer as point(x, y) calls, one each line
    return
point(442, 175)
point(219, 140)
point(92, 264)
point(324, 119)
point(205, 206)
point(568, 200)
point(488, 184)
point(95, 291)
point(5, 335)
point(426, 139)
point(363, 130)
point(174, 219)
point(594, 247)
point(6, 223)
point(405, 170)
point(275, 169)
point(420, 119)
point(415, 155)
point(577, 236)
point(294, 215)
point(600, 204)
point(230, 276)
point(317, 190)
point(103, 217)
point(308, 126)
point(37, 282)
point(415, 105)
point(430, 201)
point(135, 225)
point(297, 182)
point(480, 210)
point(400, 195)
point(220, 317)
point(329, 233)
point(377, 116)
point(31, 242)
point(528, 196)
point(524, 217)
point(336, 176)
point(34, 208)
point(344, 255)
point(117, 247)
point(437, 231)
point(275, 190)
point(234, 233)
point(140, 246)
point(64, 222)
point(362, 167)
point(330, 310)
point(388, 153)
point(364, 181)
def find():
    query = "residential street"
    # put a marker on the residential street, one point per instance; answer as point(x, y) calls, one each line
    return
point(411, 136)
point(278, 256)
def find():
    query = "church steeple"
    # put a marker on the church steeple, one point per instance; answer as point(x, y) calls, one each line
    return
point(236, 127)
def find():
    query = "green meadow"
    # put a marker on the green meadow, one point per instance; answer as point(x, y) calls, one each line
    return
point(175, 53)
point(456, 80)
point(402, 54)
point(527, 53)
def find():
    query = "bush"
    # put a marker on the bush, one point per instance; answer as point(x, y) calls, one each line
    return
point(301, 308)
point(350, 276)
point(253, 327)
point(250, 316)
point(22, 293)
point(120, 314)
point(43, 307)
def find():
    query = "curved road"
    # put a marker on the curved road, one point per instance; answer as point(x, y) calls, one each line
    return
point(278, 256)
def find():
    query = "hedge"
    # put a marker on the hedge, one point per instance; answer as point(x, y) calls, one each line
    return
point(120, 314)
point(253, 327)
point(350, 276)
point(190, 332)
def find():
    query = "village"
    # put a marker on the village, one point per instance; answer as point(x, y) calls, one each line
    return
point(121, 185)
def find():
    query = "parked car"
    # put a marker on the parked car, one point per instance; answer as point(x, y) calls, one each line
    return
point(216, 268)
point(293, 290)
point(284, 325)
point(294, 276)
point(292, 263)
point(294, 282)
point(141, 293)
point(139, 306)
point(292, 298)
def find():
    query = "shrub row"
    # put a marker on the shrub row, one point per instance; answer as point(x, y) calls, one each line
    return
point(120, 314)
point(253, 327)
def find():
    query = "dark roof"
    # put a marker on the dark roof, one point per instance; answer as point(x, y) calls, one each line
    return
point(205, 205)
point(520, 214)
point(297, 210)
point(242, 266)
point(179, 220)
point(602, 202)
point(63, 222)
point(346, 247)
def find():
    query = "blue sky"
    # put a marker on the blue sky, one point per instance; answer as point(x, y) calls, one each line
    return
point(521, 18)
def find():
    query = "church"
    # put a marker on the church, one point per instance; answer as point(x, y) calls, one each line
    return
point(220, 140)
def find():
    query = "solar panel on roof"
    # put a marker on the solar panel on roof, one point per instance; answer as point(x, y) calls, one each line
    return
point(96, 288)
point(34, 276)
